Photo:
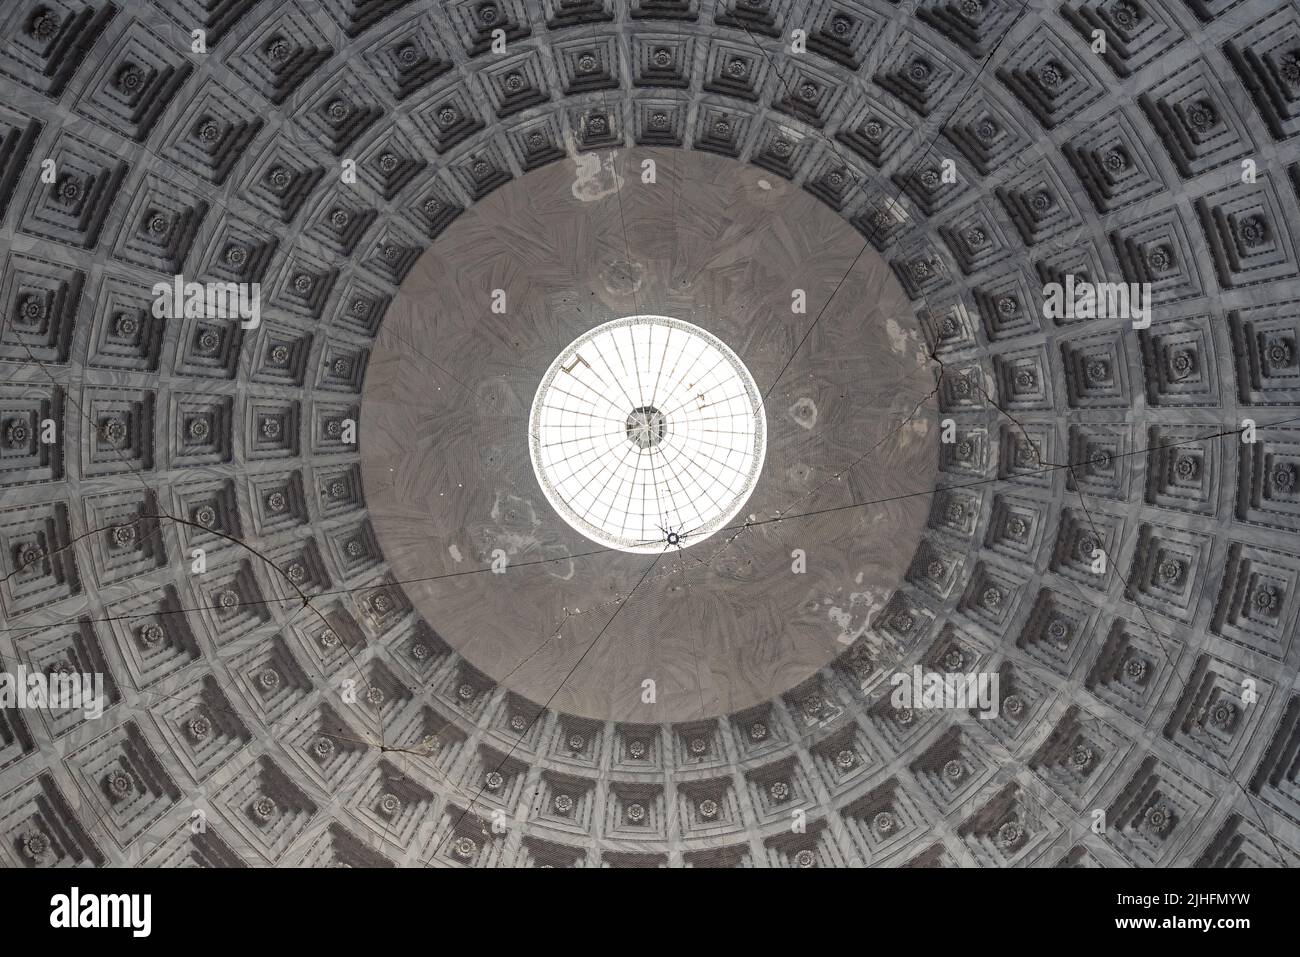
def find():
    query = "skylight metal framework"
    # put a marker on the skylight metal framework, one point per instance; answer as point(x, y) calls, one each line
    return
point(647, 431)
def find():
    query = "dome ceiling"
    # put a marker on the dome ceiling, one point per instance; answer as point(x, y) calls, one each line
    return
point(718, 625)
point(270, 524)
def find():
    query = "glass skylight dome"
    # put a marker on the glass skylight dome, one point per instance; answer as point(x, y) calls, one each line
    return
point(647, 433)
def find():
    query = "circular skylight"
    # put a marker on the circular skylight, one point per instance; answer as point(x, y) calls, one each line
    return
point(647, 432)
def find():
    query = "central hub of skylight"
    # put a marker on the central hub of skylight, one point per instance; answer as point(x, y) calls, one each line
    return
point(647, 433)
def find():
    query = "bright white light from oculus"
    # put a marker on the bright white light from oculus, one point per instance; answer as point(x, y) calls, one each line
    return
point(647, 433)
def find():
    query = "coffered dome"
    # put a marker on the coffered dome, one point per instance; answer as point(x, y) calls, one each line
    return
point(984, 361)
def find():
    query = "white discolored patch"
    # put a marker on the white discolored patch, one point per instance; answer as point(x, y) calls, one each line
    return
point(622, 277)
point(515, 529)
point(853, 619)
point(572, 569)
point(455, 554)
point(898, 338)
point(906, 339)
point(804, 413)
point(594, 176)
point(799, 473)
point(914, 432)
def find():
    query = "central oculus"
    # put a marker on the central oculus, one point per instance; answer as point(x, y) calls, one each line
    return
point(647, 433)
